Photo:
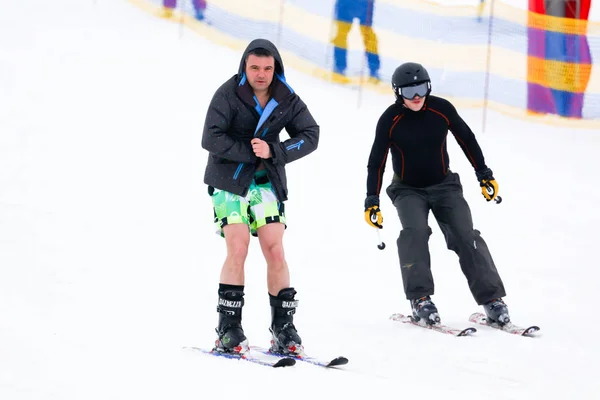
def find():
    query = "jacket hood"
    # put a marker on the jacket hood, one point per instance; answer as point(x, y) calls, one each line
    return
point(261, 44)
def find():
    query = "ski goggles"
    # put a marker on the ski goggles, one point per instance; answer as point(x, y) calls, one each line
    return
point(420, 89)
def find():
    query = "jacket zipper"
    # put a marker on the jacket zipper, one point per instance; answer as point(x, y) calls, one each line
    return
point(270, 105)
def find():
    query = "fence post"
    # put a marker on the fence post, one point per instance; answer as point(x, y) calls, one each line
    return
point(280, 25)
point(486, 87)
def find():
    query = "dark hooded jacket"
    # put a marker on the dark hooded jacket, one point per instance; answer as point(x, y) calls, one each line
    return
point(234, 117)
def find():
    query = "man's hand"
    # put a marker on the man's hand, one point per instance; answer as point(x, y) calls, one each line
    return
point(261, 148)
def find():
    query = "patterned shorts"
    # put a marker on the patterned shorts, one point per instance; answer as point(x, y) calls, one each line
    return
point(258, 208)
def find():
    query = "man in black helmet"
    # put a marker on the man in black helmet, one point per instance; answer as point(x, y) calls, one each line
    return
point(414, 130)
point(247, 182)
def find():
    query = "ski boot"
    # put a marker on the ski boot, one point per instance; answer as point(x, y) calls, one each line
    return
point(496, 311)
point(339, 76)
point(231, 338)
point(374, 78)
point(424, 309)
point(285, 337)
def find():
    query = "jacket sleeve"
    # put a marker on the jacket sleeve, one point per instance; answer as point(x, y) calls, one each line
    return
point(215, 137)
point(378, 155)
point(304, 136)
point(465, 138)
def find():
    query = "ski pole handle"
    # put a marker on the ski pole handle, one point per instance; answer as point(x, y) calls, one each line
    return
point(490, 191)
point(380, 244)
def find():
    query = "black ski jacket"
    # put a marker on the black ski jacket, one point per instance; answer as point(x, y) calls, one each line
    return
point(417, 141)
point(234, 118)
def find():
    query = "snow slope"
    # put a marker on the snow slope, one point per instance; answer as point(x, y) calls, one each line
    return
point(109, 264)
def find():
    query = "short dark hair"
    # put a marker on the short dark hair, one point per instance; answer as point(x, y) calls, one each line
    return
point(260, 52)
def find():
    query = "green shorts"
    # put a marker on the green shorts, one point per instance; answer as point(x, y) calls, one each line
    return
point(258, 208)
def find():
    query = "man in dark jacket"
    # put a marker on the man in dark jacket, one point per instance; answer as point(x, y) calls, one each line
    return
point(247, 181)
point(414, 129)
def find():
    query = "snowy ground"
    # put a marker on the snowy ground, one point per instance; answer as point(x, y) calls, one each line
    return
point(109, 264)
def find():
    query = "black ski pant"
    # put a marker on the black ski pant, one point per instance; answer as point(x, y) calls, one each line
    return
point(452, 213)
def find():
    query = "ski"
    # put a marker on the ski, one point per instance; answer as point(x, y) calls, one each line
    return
point(335, 362)
point(479, 318)
point(247, 356)
point(435, 327)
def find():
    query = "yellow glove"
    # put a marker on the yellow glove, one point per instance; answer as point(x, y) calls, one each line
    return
point(489, 189)
point(489, 186)
point(373, 217)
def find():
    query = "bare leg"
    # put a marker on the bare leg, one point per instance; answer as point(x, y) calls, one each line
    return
point(237, 238)
point(270, 237)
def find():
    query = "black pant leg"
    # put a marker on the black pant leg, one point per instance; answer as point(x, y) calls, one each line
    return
point(454, 218)
point(413, 242)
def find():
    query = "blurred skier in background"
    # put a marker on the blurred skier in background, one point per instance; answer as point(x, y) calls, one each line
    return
point(345, 12)
point(170, 5)
point(480, 9)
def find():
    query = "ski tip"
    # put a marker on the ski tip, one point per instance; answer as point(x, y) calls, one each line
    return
point(476, 316)
point(467, 331)
point(337, 362)
point(530, 331)
point(285, 362)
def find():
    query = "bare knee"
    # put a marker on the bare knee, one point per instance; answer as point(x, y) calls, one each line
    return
point(271, 244)
point(237, 254)
point(238, 241)
point(274, 253)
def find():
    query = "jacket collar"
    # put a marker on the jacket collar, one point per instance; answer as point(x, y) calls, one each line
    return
point(280, 90)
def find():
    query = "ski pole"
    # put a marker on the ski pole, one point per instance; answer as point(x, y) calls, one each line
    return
point(380, 244)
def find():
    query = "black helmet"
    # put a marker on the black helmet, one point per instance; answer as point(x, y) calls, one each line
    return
point(409, 74)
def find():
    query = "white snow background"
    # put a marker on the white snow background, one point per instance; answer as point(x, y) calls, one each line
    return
point(109, 264)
